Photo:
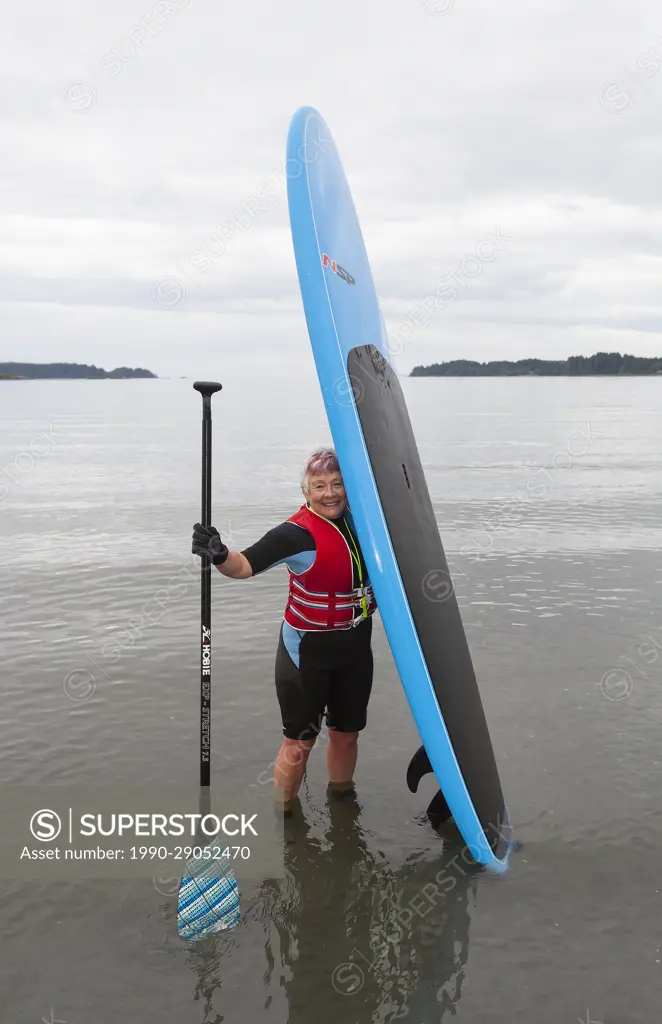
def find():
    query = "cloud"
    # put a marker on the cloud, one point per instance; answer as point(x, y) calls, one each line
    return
point(134, 137)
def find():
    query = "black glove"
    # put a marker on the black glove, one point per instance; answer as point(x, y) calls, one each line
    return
point(207, 541)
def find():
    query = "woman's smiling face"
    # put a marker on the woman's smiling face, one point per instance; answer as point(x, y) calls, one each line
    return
point(326, 494)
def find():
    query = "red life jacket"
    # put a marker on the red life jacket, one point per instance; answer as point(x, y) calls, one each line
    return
point(324, 596)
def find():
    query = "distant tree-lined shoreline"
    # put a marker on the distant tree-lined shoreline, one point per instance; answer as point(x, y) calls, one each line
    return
point(45, 371)
point(601, 364)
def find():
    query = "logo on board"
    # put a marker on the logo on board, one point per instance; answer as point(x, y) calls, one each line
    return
point(337, 269)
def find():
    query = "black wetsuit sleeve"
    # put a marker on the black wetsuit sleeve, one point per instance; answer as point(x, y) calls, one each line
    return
point(284, 541)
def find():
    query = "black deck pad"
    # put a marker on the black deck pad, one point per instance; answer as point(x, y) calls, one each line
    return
point(411, 522)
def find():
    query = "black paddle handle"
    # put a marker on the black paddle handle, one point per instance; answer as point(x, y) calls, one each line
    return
point(206, 389)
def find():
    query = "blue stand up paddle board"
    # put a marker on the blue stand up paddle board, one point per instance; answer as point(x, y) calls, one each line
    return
point(388, 494)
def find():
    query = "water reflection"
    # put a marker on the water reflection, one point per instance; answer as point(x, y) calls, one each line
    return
point(360, 939)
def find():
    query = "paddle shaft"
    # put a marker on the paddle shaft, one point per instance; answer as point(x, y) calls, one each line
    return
point(206, 389)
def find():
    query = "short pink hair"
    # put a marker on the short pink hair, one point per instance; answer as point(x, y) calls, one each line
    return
point(322, 460)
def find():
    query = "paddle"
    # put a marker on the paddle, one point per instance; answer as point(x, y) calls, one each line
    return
point(208, 897)
point(206, 389)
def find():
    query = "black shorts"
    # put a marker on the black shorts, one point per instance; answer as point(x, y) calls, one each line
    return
point(334, 676)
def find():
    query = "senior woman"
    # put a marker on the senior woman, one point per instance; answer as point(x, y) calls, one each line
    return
point(324, 660)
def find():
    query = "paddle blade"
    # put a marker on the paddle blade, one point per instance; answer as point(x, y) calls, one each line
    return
point(208, 899)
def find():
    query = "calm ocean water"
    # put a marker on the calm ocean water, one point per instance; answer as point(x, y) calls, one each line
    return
point(548, 495)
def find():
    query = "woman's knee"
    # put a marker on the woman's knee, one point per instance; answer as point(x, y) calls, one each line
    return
point(296, 751)
point(343, 740)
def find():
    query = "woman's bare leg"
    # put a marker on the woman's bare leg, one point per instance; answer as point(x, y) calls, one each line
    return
point(341, 754)
point(289, 770)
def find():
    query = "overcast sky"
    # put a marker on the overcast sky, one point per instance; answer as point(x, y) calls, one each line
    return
point(132, 133)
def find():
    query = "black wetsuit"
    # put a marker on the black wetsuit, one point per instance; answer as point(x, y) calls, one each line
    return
point(317, 671)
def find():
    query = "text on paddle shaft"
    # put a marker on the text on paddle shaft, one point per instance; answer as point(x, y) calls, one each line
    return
point(206, 651)
point(205, 717)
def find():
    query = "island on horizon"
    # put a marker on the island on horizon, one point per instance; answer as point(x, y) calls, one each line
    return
point(602, 363)
point(68, 371)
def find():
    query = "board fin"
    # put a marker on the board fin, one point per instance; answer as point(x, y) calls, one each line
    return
point(418, 767)
point(438, 810)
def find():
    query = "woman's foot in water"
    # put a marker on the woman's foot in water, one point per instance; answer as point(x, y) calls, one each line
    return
point(341, 790)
